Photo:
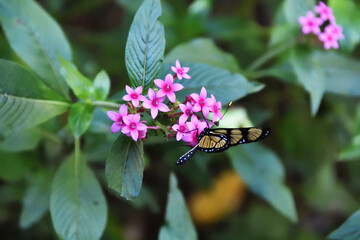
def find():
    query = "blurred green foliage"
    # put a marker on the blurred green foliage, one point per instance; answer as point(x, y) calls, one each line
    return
point(251, 52)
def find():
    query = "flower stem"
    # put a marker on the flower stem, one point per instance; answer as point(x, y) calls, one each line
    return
point(270, 54)
point(103, 104)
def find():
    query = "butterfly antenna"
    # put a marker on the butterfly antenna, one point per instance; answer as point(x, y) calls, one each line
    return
point(227, 108)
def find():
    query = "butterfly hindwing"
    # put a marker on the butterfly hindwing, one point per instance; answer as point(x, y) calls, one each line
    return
point(247, 135)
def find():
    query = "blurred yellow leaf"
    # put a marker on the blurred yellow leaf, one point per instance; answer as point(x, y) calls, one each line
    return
point(225, 195)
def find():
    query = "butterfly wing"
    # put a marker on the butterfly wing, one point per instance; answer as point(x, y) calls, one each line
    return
point(187, 156)
point(214, 141)
point(247, 135)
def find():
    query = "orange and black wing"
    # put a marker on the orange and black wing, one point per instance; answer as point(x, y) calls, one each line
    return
point(214, 142)
point(246, 135)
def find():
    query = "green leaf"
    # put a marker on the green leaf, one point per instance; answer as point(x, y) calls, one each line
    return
point(178, 221)
point(101, 86)
point(13, 167)
point(37, 199)
point(342, 74)
point(21, 140)
point(80, 118)
point(125, 166)
point(347, 17)
point(77, 204)
point(37, 39)
point(263, 173)
point(79, 84)
point(18, 81)
point(310, 73)
point(202, 50)
point(20, 113)
point(351, 152)
point(224, 85)
point(293, 9)
point(349, 230)
point(130, 5)
point(145, 45)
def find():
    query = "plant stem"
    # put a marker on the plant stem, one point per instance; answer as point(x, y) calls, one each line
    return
point(103, 104)
point(270, 54)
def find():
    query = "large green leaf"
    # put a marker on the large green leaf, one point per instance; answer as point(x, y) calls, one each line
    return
point(263, 173)
point(101, 86)
point(21, 140)
point(18, 81)
point(37, 199)
point(224, 85)
point(352, 152)
point(77, 204)
point(349, 230)
point(80, 118)
point(125, 166)
point(310, 73)
point(24, 100)
point(178, 223)
point(347, 16)
point(293, 9)
point(145, 45)
point(202, 50)
point(342, 74)
point(19, 113)
point(36, 38)
point(81, 86)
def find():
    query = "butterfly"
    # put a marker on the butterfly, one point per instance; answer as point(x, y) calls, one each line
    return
point(219, 139)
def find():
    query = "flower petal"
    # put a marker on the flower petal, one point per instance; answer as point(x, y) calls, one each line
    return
point(177, 87)
point(169, 79)
point(171, 96)
point(160, 83)
point(126, 98)
point(136, 117)
point(123, 110)
point(138, 90)
point(161, 93)
point(154, 112)
point(173, 69)
point(115, 127)
point(135, 102)
point(177, 64)
point(113, 115)
point(125, 130)
point(129, 90)
point(147, 104)
point(135, 134)
point(163, 108)
point(186, 76)
point(203, 93)
point(127, 119)
point(151, 94)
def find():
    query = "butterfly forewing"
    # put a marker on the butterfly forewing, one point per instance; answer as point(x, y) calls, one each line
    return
point(213, 141)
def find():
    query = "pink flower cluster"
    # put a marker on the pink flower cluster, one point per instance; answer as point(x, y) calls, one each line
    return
point(127, 119)
point(197, 108)
point(311, 24)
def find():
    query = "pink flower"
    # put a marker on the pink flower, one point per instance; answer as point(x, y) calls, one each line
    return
point(216, 109)
point(326, 13)
point(180, 72)
point(134, 95)
point(195, 123)
point(181, 129)
point(187, 111)
point(133, 126)
point(201, 102)
point(168, 87)
point(329, 40)
point(335, 30)
point(310, 23)
point(118, 118)
point(155, 103)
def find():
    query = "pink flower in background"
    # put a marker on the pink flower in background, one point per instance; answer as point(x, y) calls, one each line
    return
point(168, 87)
point(180, 71)
point(155, 103)
point(195, 123)
point(133, 126)
point(326, 13)
point(216, 109)
point(134, 95)
point(181, 129)
point(335, 30)
point(329, 40)
point(191, 138)
point(187, 111)
point(118, 118)
point(310, 23)
point(201, 102)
